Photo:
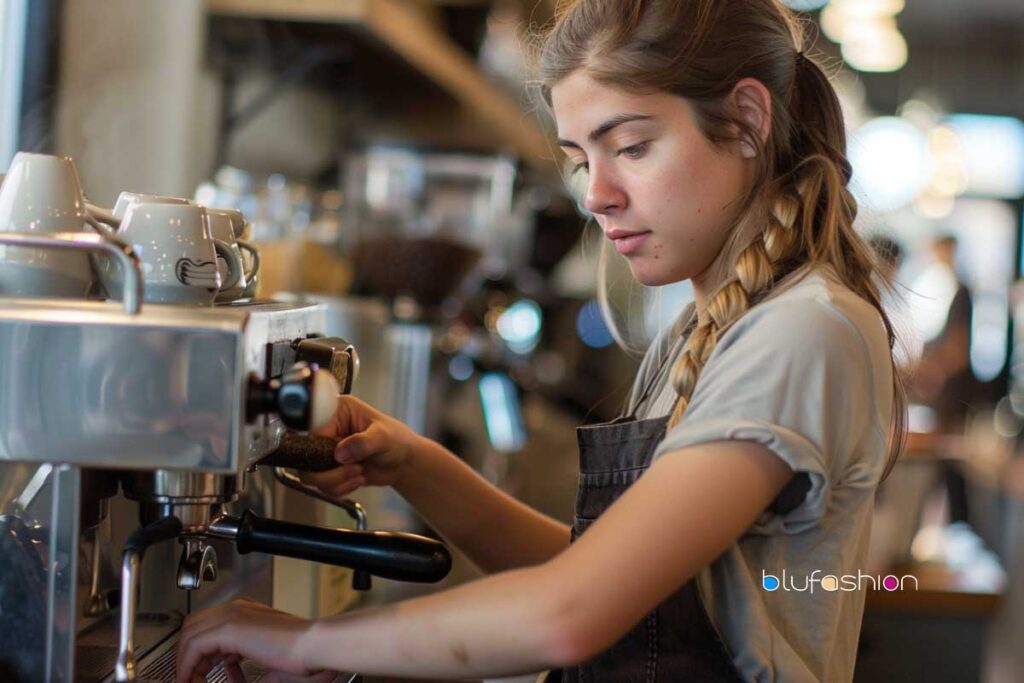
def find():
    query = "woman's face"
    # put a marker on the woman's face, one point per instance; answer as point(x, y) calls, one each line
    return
point(652, 173)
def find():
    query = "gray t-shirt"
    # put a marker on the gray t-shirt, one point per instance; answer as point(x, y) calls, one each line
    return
point(808, 374)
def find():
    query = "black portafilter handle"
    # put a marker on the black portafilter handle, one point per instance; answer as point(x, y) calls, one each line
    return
point(391, 555)
point(309, 453)
point(314, 454)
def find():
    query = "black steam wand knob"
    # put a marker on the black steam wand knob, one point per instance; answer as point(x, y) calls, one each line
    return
point(304, 397)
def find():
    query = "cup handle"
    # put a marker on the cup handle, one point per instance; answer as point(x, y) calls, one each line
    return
point(255, 254)
point(102, 228)
point(104, 216)
point(234, 267)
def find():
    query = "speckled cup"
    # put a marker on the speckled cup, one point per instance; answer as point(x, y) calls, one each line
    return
point(178, 253)
point(41, 194)
point(126, 199)
point(222, 224)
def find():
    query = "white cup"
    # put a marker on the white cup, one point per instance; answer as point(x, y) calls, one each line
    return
point(239, 225)
point(178, 254)
point(126, 199)
point(222, 224)
point(41, 194)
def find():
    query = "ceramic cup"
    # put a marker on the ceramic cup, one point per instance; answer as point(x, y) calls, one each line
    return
point(41, 194)
point(223, 226)
point(178, 254)
point(126, 199)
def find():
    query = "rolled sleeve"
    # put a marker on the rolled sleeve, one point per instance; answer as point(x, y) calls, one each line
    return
point(795, 377)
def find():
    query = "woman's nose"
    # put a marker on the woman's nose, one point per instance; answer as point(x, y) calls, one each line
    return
point(604, 194)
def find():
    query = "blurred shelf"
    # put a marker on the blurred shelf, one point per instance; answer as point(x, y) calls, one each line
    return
point(960, 578)
point(943, 592)
point(410, 31)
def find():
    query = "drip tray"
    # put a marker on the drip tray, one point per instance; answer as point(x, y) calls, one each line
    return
point(156, 643)
point(96, 647)
point(159, 664)
point(162, 667)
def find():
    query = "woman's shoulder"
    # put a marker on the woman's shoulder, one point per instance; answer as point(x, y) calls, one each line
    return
point(818, 304)
point(817, 319)
point(812, 304)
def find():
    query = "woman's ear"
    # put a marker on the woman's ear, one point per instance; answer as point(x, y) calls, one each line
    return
point(753, 103)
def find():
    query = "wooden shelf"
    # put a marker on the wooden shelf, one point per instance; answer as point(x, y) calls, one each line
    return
point(410, 31)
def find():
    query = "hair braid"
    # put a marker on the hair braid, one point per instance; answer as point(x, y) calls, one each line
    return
point(755, 272)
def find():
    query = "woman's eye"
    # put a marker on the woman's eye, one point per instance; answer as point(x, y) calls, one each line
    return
point(634, 151)
point(582, 166)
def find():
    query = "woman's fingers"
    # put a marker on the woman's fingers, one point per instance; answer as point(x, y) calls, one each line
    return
point(200, 651)
point(352, 415)
point(280, 677)
point(240, 629)
point(197, 653)
point(332, 478)
point(234, 672)
point(203, 667)
point(361, 445)
point(349, 487)
point(343, 489)
point(338, 482)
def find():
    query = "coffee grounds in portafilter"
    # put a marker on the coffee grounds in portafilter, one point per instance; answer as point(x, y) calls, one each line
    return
point(426, 268)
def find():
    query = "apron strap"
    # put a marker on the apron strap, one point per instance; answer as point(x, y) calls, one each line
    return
point(690, 318)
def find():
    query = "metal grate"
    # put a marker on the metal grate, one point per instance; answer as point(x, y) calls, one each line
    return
point(163, 668)
point(94, 662)
point(96, 648)
point(161, 665)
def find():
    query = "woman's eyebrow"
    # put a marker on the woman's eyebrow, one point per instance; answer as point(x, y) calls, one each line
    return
point(606, 127)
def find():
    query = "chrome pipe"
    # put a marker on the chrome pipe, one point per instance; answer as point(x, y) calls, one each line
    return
point(83, 241)
point(124, 670)
point(356, 511)
point(160, 530)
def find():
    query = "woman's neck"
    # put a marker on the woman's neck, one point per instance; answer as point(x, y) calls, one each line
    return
point(702, 289)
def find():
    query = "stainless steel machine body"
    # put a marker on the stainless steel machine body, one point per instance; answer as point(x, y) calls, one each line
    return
point(158, 402)
point(85, 383)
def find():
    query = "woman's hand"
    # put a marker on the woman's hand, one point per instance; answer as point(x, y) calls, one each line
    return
point(373, 449)
point(243, 629)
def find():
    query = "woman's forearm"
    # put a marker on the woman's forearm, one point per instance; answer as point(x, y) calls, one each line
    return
point(501, 625)
point(496, 531)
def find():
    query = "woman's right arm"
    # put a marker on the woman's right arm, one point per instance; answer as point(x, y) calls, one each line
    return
point(496, 531)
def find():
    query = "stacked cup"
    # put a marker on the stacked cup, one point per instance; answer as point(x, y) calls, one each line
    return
point(41, 194)
point(190, 254)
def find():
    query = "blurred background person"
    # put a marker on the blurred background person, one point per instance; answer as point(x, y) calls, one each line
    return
point(943, 379)
point(907, 349)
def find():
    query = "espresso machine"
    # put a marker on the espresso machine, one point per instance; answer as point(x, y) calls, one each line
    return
point(140, 449)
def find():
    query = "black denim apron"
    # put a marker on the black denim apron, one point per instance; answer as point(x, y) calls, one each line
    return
point(677, 641)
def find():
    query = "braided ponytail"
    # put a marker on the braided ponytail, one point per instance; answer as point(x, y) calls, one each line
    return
point(755, 272)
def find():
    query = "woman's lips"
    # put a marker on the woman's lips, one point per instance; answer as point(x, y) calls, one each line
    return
point(629, 243)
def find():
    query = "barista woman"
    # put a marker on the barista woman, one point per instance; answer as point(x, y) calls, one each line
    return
point(714, 517)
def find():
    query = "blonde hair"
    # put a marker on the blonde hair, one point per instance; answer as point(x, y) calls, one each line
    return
point(798, 212)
